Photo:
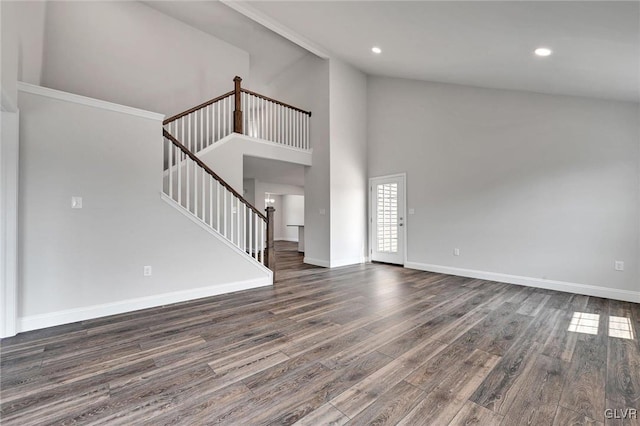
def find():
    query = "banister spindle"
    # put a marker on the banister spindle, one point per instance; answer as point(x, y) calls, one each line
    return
point(237, 114)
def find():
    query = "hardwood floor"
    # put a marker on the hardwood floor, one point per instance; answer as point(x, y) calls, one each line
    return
point(368, 344)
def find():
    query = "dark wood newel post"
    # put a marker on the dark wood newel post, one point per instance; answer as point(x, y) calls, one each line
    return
point(237, 114)
point(271, 250)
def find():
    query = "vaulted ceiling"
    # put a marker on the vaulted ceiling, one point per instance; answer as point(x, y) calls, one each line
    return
point(596, 44)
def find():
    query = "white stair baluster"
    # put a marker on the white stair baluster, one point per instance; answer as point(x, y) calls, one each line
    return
point(259, 118)
point(254, 117)
point(288, 124)
point(250, 233)
point(187, 178)
point(202, 136)
point(267, 121)
point(231, 109)
point(225, 213)
point(231, 215)
point(170, 168)
point(238, 222)
point(279, 120)
point(195, 189)
point(179, 177)
point(308, 132)
point(262, 241)
point(216, 117)
point(207, 127)
point(299, 117)
point(189, 133)
point(271, 121)
point(263, 120)
point(245, 114)
point(257, 242)
point(210, 201)
point(203, 198)
point(196, 139)
point(217, 206)
point(182, 138)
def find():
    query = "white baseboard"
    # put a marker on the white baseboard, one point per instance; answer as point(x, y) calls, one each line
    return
point(316, 262)
point(588, 290)
point(348, 261)
point(291, 240)
point(35, 322)
point(334, 263)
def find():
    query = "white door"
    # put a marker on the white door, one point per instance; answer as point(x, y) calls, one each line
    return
point(387, 213)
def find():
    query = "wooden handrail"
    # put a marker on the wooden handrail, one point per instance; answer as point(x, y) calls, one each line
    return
point(266, 98)
point(212, 173)
point(196, 108)
point(238, 112)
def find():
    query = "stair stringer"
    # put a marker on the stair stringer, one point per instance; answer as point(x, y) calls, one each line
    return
point(217, 235)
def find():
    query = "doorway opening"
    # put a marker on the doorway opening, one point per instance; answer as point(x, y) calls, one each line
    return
point(387, 230)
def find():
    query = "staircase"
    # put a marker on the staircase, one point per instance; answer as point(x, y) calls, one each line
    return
point(190, 183)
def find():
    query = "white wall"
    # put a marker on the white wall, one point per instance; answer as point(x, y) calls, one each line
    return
point(289, 205)
point(278, 219)
point(348, 164)
point(261, 188)
point(22, 33)
point(306, 85)
point(528, 185)
point(335, 185)
point(292, 214)
point(85, 262)
point(129, 53)
point(9, 150)
point(21, 38)
point(225, 157)
point(249, 190)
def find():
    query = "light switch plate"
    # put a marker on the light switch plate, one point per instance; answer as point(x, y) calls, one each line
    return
point(323, 212)
point(76, 202)
point(619, 265)
point(412, 211)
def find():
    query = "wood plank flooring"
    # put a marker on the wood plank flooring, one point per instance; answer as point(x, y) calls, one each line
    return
point(368, 344)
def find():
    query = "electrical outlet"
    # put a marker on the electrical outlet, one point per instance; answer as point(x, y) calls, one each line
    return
point(323, 212)
point(147, 271)
point(456, 252)
point(412, 211)
point(619, 265)
point(76, 202)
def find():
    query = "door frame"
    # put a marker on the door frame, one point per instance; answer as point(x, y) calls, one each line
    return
point(403, 176)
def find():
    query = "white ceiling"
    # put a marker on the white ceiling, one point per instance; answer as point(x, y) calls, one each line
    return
point(273, 171)
point(481, 43)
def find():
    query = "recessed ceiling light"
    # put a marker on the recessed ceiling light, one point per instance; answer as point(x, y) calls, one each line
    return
point(376, 50)
point(542, 51)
